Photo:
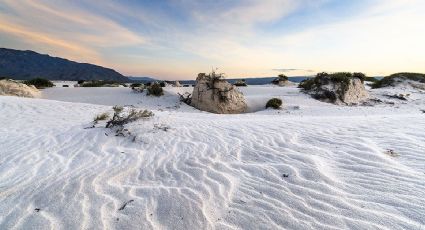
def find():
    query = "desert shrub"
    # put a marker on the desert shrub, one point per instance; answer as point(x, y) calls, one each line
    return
point(306, 84)
point(80, 82)
point(360, 76)
point(39, 83)
point(162, 84)
point(100, 117)
point(391, 80)
point(274, 103)
point(119, 119)
point(186, 98)
point(134, 85)
point(3, 78)
point(99, 83)
point(155, 90)
point(282, 77)
point(240, 83)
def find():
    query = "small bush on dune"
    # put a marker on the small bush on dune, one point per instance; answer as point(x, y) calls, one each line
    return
point(136, 85)
point(39, 83)
point(101, 117)
point(274, 103)
point(155, 90)
point(119, 119)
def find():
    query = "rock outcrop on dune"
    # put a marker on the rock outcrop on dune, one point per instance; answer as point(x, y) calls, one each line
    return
point(214, 94)
point(338, 88)
point(25, 65)
point(415, 80)
point(282, 80)
point(13, 88)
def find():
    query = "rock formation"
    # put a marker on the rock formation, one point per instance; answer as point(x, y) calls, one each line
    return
point(214, 94)
point(282, 80)
point(338, 88)
point(13, 88)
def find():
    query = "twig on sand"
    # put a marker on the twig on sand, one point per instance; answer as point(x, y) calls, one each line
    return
point(125, 204)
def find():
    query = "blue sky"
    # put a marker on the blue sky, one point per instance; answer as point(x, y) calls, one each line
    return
point(176, 39)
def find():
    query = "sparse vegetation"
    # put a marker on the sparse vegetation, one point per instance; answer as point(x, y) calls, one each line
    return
point(155, 90)
point(100, 83)
point(186, 98)
point(274, 103)
point(119, 119)
point(39, 83)
point(80, 82)
point(398, 77)
point(136, 85)
point(100, 117)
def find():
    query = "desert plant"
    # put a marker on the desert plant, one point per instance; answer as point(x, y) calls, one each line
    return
point(155, 90)
point(282, 77)
point(80, 82)
point(99, 83)
point(186, 98)
point(134, 85)
point(274, 103)
point(100, 117)
point(162, 84)
point(39, 83)
point(119, 119)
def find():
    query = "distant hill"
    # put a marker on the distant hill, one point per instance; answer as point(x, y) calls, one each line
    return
point(24, 65)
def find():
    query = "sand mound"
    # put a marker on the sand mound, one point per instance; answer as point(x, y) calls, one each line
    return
point(13, 88)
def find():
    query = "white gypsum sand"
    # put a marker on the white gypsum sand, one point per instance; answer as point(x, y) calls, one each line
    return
point(311, 165)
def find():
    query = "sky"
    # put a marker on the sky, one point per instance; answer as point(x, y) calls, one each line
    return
point(177, 39)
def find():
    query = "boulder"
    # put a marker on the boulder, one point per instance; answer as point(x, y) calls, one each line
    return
point(14, 88)
point(214, 94)
point(338, 88)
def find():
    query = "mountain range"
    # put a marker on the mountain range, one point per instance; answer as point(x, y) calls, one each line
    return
point(24, 65)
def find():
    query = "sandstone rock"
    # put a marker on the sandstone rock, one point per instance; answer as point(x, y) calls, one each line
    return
point(214, 94)
point(14, 88)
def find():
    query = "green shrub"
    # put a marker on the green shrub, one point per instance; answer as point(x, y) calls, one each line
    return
point(307, 84)
point(282, 77)
point(100, 83)
point(155, 90)
point(136, 85)
point(391, 80)
point(100, 117)
point(274, 103)
point(39, 83)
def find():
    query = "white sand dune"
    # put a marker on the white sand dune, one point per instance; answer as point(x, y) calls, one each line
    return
point(310, 166)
